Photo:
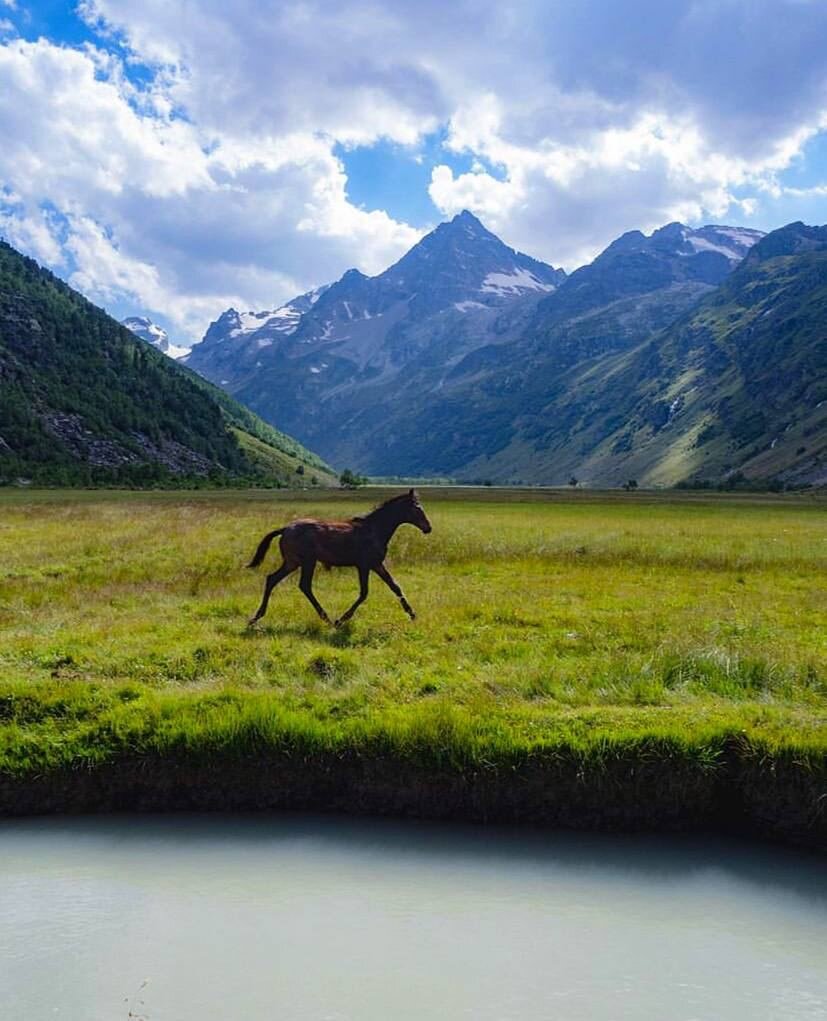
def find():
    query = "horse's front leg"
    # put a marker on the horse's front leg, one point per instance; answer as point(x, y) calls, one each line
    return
point(364, 575)
point(388, 579)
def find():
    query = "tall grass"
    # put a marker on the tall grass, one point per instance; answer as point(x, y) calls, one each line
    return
point(586, 628)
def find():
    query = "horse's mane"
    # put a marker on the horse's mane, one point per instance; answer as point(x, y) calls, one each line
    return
point(359, 518)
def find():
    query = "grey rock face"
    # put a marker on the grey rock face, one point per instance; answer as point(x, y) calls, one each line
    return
point(443, 359)
point(317, 359)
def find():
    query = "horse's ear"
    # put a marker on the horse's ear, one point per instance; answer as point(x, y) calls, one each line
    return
point(412, 494)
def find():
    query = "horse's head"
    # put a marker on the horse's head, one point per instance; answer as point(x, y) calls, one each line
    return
point(417, 515)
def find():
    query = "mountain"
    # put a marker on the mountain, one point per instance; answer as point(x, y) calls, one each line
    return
point(687, 355)
point(153, 334)
point(735, 387)
point(461, 358)
point(740, 384)
point(502, 409)
point(86, 401)
point(236, 338)
point(674, 258)
point(354, 342)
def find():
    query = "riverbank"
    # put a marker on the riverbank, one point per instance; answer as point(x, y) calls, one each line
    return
point(437, 763)
point(576, 661)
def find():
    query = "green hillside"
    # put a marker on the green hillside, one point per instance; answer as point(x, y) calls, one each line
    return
point(86, 402)
point(736, 387)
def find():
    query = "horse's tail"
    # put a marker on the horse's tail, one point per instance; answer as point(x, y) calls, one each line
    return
point(263, 546)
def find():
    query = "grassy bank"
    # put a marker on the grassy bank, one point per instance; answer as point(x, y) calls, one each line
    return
point(584, 659)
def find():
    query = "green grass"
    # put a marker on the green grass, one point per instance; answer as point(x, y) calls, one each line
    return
point(548, 623)
point(274, 462)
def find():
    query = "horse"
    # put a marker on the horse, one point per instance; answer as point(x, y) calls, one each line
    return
point(361, 542)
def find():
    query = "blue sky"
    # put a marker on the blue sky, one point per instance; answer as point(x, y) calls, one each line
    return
point(173, 160)
point(385, 175)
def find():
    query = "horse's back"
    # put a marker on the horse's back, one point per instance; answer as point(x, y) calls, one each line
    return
point(331, 542)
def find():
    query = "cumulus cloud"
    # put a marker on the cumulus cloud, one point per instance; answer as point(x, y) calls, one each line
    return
point(150, 207)
point(211, 178)
point(631, 115)
point(653, 171)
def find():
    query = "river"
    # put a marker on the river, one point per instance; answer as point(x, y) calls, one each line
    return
point(240, 918)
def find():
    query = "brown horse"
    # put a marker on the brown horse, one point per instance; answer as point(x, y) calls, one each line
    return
point(361, 542)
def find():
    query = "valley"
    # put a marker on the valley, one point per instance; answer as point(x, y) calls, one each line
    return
point(469, 360)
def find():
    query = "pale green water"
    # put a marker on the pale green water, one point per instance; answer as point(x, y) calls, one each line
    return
point(241, 919)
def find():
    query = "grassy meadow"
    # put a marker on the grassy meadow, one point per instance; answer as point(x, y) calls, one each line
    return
point(546, 620)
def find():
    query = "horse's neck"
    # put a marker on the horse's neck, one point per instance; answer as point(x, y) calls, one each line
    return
point(384, 521)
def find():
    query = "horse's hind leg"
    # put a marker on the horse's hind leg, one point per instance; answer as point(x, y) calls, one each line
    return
point(364, 574)
point(306, 585)
point(271, 582)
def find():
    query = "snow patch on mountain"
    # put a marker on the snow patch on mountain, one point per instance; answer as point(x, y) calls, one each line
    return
point(741, 235)
point(731, 242)
point(698, 244)
point(284, 320)
point(513, 283)
point(152, 333)
point(248, 322)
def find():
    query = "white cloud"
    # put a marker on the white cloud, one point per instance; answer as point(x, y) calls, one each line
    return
point(217, 182)
point(341, 70)
point(567, 201)
point(35, 234)
point(817, 190)
point(158, 211)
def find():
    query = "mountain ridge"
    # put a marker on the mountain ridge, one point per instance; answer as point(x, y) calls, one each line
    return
point(733, 387)
point(457, 284)
point(465, 361)
point(459, 263)
point(85, 401)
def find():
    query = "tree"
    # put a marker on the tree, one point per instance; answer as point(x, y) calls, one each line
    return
point(350, 480)
point(300, 469)
point(574, 481)
point(630, 485)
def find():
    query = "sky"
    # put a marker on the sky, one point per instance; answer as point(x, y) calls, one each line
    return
point(177, 157)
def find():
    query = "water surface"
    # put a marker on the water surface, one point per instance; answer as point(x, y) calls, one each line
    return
point(297, 917)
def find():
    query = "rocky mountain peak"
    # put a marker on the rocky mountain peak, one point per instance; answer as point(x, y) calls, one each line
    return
point(793, 239)
point(461, 261)
point(676, 239)
point(467, 217)
point(152, 333)
point(353, 276)
point(458, 273)
point(466, 224)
